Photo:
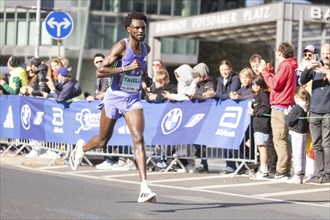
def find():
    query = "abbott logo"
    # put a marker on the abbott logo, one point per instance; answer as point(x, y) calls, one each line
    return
point(229, 120)
point(57, 119)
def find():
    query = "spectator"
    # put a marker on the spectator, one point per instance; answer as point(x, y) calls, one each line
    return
point(319, 123)
point(184, 77)
point(67, 89)
point(261, 123)
point(32, 81)
point(204, 90)
point(204, 86)
point(245, 92)
point(271, 153)
point(100, 84)
point(227, 81)
point(295, 118)
point(147, 81)
point(162, 83)
point(52, 74)
point(37, 81)
point(310, 52)
point(17, 77)
point(282, 86)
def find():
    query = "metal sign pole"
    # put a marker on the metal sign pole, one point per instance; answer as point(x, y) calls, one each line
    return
point(59, 46)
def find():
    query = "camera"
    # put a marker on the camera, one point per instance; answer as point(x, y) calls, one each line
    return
point(315, 57)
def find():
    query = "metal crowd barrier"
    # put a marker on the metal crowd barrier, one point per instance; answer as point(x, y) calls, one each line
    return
point(247, 153)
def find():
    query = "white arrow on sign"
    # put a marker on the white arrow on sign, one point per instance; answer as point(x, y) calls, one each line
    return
point(66, 24)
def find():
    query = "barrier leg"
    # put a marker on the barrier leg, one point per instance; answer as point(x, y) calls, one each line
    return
point(175, 161)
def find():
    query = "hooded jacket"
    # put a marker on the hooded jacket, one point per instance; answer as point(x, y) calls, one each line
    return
point(184, 78)
point(283, 83)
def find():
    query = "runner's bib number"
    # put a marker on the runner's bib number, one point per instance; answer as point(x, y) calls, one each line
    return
point(130, 83)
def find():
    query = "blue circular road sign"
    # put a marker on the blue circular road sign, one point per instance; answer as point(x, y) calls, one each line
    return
point(59, 24)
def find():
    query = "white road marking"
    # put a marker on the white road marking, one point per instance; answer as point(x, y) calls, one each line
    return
point(235, 185)
point(291, 192)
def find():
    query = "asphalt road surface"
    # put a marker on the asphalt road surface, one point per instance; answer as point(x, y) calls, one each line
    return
point(34, 190)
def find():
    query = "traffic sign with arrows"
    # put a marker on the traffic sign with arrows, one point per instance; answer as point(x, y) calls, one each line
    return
point(59, 24)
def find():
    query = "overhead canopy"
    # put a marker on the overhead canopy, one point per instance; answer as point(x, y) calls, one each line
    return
point(275, 22)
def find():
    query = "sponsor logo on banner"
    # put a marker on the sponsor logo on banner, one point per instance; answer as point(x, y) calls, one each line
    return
point(57, 120)
point(229, 121)
point(26, 116)
point(38, 119)
point(171, 121)
point(123, 130)
point(194, 120)
point(87, 120)
point(9, 121)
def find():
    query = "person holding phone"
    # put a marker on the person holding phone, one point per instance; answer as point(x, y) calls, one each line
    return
point(319, 123)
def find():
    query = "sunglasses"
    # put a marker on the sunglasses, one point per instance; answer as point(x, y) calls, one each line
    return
point(307, 55)
point(99, 61)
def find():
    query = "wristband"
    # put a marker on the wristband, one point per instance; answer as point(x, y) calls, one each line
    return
point(123, 69)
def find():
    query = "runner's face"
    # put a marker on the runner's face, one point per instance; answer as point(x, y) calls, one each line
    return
point(137, 30)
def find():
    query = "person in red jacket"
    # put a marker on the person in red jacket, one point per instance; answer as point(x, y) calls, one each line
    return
point(282, 85)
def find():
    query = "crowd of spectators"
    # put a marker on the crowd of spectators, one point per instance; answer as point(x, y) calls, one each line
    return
point(287, 104)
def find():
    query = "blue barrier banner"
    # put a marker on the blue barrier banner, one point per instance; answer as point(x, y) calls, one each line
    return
point(213, 123)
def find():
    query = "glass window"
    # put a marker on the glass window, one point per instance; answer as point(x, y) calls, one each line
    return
point(112, 5)
point(109, 36)
point(21, 15)
point(32, 32)
point(138, 5)
point(94, 36)
point(97, 5)
point(22, 28)
point(125, 6)
point(165, 8)
point(152, 7)
point(46, 39)
point(95, 18)
point(10, 33)
point(179, 8)
point(109, 19)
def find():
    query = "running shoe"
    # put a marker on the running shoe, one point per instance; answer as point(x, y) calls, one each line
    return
point(77, 155)
point(146, 195)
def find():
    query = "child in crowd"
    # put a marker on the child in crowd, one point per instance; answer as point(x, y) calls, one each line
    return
point(245, 92)
point(162, 83)
point(261, 123)
point(295, 118)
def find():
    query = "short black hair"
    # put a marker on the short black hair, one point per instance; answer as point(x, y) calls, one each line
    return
point(35, 61)
point(98, 55)
point(134, 15)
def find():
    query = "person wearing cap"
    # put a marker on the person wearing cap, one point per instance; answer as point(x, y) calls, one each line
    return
point(309, 52)
point(319, 122)
point(67, 89)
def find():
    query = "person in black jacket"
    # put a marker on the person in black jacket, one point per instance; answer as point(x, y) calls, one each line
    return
point(296, 120)
point(162, 83)
point(67, 89)
point(319, 124)
point(261, 123)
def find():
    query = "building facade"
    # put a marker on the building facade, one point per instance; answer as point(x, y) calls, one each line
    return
point(98, 24)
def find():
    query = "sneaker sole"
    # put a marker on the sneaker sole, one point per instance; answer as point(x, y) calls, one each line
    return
point(151, 198)
point(72, 160)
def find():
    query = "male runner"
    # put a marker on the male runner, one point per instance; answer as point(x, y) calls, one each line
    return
point(125, 64)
